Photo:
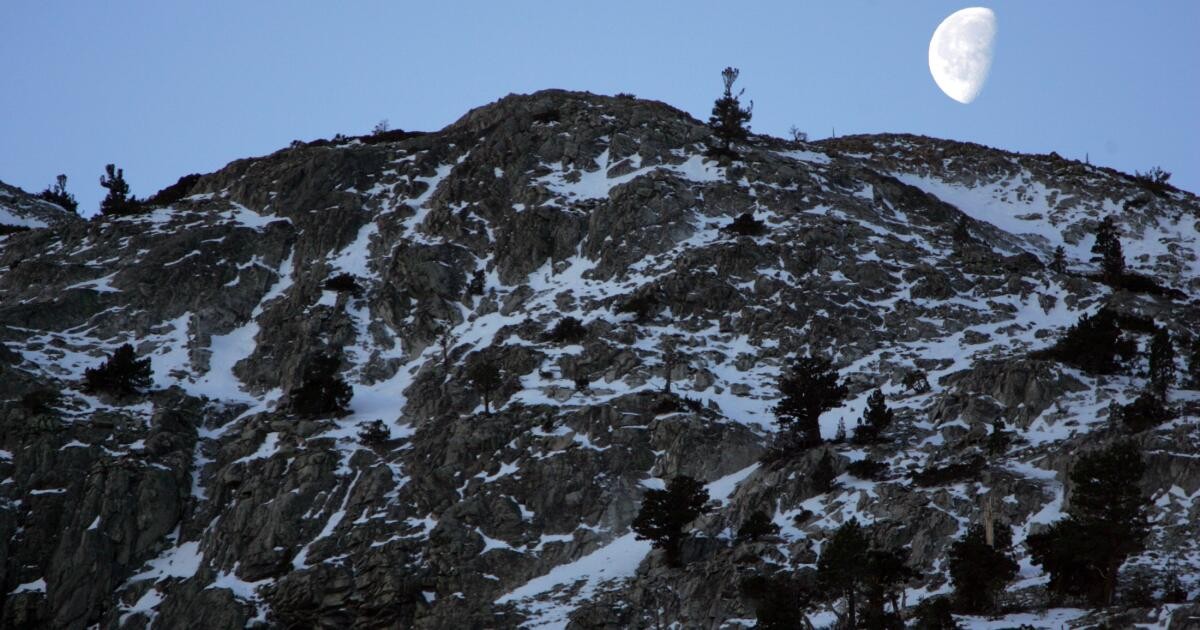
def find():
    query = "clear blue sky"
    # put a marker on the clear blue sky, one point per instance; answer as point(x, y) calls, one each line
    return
point(164, 89)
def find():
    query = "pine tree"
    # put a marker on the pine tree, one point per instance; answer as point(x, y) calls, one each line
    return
point(118, 201)
point(809, 389)
point(322, 392)
point(1162, 362)
point(840, 436)
point(1093, 344)
point(823, 474)
point(876, 418)
point(123, 374)
point(664, 514)
point(1194, 363)
point(757, 525)
point(884, 575)
point(1108, 246)
point(840, 566)
point(729, 120)
point(1106, 523)
point(485, 378)
point(981, 571)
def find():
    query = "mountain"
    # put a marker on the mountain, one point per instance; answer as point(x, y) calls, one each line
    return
point(415, 265)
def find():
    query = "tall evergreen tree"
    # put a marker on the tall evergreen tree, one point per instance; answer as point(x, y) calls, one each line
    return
point(123, 374)
point(809, 389)
point(981, 571)
point(884, 575)
point(876, 418)
point(322, 392)
point(664, 514)
point(1093, 344)
point(1106, 523)
point(1108, 246)
point(1162, 362)
point(840, 567)
point(730, 121)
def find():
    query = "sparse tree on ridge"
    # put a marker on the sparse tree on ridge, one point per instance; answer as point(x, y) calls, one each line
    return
point(58, 194)
point(730, 121)
point(117, 201)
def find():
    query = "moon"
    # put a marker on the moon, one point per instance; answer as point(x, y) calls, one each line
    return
point(960, 53)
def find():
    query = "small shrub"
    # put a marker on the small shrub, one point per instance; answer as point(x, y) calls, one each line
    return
point(672, 403)
point(935, 613)
point(1093, 344)
point(343, 283)
point(641, 306)
point(626, 96)
point(582, 384)
point(746, 225)
point(58, 194)
point(568, 330)
point(1154, 180)
point(475, 287)
point(374, 433)
point(949, 474)
point(868, 469)
point(876, 418)
point(547, 117)
point(1145, 412)
point(123, 374)
point(797, 135)
point(756, 526)
point(41, 401)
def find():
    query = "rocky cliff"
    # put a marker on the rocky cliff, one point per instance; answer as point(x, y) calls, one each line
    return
point(205, 503)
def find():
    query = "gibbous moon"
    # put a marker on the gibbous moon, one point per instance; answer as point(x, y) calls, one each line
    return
point(960, 53)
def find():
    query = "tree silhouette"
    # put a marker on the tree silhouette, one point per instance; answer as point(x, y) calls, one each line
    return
point(664, 514)
point(321, 392)
point(485, 378)
point(729, 120)
point(809, 389)
point(123, 374)
point(1108, 246)
point(1162, 362)
point(1106, 523)
point(876, 418)
point(118, 201)
point(979, 570)
point(840, 566)
point(58, 194)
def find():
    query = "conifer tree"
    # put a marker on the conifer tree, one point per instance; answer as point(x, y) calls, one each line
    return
point(981, 571)
point(809, 389)
point(757, 525)
point(117, 201)
point(824, 474)
point(884, 575)
point(840, 567)
point(1106, 523)
point(1093, 344)
point(729, 120)
point(1108, 246)
point(485, 377)
point(322, 392)
point(876, 418)
point(664, 514)
point(1193, 370)
point(123, 374)
point(1162, 362)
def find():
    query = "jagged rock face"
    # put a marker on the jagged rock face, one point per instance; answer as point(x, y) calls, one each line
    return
point(207, 503)
point(20, 211)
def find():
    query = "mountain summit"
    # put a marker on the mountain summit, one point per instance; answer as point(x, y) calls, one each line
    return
point(428, 379)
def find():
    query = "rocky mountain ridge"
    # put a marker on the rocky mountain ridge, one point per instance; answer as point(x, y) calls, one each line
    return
point(206, 503)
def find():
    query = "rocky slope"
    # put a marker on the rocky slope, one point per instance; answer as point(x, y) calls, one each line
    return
point(205, 504)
